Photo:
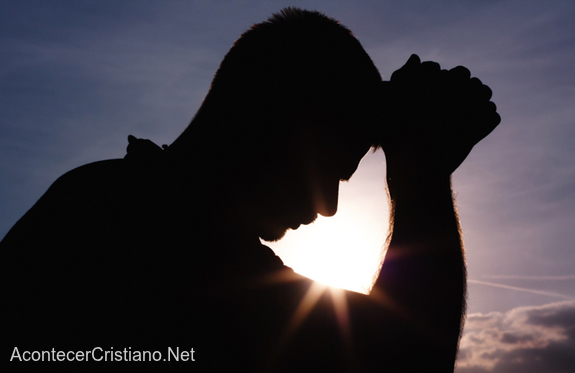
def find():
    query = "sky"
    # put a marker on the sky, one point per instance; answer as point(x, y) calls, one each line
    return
point(77, 77)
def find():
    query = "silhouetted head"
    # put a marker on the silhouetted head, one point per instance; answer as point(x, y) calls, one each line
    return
point(285, 119)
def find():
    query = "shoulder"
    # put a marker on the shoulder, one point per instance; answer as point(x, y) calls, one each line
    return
point(71, 193)
point(79, 185)
point(91, 175)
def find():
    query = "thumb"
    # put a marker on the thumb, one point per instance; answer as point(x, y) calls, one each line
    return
point(412, 61)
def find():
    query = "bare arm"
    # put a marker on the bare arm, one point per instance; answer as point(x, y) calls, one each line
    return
point(436, 118)
point(424, 270)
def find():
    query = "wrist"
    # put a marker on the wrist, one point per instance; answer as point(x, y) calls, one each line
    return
point(414, 183)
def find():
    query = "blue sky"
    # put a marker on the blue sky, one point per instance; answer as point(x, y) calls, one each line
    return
point(77, 77)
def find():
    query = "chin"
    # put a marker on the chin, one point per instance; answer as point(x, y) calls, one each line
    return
point(271, 233)
point(272, 236)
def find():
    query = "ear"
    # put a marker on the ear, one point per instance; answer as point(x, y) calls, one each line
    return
point(142, 149)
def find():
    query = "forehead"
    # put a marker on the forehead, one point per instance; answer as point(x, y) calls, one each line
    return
point(333, 150)
point(344, 160)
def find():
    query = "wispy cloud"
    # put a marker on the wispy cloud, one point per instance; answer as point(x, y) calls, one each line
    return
point(536, 278)
point(525, 339)
point(534, 291)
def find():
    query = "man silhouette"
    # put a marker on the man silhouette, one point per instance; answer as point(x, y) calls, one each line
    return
point(160, 250)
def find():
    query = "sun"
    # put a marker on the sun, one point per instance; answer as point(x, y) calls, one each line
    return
point(335, 252)
point(345, 250)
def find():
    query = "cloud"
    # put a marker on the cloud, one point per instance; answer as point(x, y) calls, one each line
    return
point(534, 291)
point(525, 339)
point(535, 278)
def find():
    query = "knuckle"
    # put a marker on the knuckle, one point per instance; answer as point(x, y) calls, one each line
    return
point(475, 82)
point(461, 72)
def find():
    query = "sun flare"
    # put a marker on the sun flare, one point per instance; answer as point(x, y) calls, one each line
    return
point(335, 253)
point(345, 250)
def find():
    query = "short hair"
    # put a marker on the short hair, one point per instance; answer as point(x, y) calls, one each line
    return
point(297, 60)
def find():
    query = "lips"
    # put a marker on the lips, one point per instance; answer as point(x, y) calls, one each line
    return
point(305, 221)
point(309, 219)
point(295, 223)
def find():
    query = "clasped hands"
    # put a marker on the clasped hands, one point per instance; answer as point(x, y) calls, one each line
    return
point(432, 118)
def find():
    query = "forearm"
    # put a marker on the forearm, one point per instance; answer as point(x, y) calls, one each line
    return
point(424, 270)
point(430, 121)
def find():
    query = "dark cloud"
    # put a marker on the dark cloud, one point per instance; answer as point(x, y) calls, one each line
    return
point(525, 339)
point(514, 338)
point(551, 318)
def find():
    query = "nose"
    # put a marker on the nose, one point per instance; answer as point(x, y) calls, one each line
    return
point(326, 198)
